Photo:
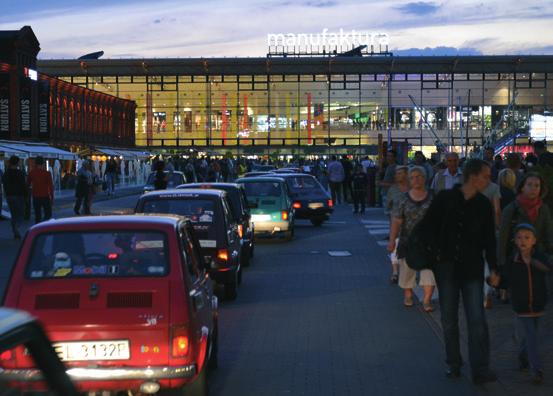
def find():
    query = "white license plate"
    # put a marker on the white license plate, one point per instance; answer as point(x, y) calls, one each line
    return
point(261, 217)
point(315, 205)
point(208, 243)
point(94, 350)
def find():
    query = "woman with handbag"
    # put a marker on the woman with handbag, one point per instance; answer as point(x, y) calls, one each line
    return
point(406, 214)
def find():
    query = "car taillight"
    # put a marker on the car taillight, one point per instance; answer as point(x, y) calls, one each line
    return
point(6, 355)
point(284, 215)
point(180, 342)
point(330, 204)
point(296, 205)
point(240, 230)
point(222, 254)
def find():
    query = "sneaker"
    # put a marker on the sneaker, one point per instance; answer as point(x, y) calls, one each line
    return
point(394, 279)
point(523, 364)
point(480, 379)
point(453, 372)
point(537, 379)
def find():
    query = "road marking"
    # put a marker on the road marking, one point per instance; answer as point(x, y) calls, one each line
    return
point(385, 231)
point(339, 253)
point(336, 222)
point(382, 243)
point(375, 222)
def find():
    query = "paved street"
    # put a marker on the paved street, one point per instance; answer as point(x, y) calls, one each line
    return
point(307, 323)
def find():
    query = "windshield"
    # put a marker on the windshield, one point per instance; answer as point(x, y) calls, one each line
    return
point(99, 253)
point(302, 183)
point(197, 210)
point(263, 189)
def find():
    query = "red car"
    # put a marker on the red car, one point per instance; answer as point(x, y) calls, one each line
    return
point(126, 301)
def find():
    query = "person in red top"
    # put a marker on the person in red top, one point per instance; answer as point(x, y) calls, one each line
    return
point(40, 181)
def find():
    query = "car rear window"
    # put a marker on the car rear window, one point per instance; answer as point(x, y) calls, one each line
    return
point(263, 189)
point(302, 183)
point(98, 254)
point(197, 210)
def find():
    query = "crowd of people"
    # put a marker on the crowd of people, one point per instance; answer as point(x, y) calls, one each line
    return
point(488, 231)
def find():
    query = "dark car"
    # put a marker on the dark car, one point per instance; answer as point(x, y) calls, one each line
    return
point(174, 179)
point(214, 225)
point(240, 211)
point(257, 173)
point(263, 168)
point(310, 200)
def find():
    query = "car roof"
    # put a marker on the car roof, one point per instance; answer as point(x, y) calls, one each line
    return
point(259, 178)
point(185, 192)
point(166, 171)
point(285, 175)
point(214, 184)
point(110, 220)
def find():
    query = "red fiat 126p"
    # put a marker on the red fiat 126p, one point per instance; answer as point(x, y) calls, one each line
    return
point(126, 301)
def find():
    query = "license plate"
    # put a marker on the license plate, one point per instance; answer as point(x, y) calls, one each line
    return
point(315, 205)
point(262, 217)
point(94, 350)
point(208, 243)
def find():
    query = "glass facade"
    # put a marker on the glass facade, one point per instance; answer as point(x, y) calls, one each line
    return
point(336, 110)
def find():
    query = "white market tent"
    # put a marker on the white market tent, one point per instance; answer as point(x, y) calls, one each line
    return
point(32, 150)
point(127, 154)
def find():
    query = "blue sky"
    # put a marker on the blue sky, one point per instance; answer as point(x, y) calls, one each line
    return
point(209, 28)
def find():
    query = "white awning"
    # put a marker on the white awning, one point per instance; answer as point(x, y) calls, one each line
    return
point(109, 151)
point(32, 150)
point(7, 151)
point(126, 154)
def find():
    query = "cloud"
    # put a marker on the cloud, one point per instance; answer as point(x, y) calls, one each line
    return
point(176, 28)
point(419, 8)
point(436, 51)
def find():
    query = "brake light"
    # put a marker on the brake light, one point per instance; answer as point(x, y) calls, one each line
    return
point(112, 256)
point(296, 205)
point(284, 215)
point(180, 342)
point(330, 203)
point(6, 355)
point(222, 254)
point(240, 230)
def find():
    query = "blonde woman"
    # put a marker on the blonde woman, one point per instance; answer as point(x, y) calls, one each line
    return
point(507, 180)
point(409, 211)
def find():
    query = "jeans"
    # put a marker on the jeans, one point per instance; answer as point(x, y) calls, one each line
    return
point(42, 205)
point(336, 192)
point(527, 332)
point(346, 189)
point(451, 287)
point(86, 204)
point(17, 210)
point(110, 180)
point(359, 200)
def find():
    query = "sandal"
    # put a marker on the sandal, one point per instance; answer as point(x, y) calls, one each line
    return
point(428, 307)
point(394, 279)
point(408, 301)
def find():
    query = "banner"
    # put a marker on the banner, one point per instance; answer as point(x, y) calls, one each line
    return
point(25, 107)
point(4, 105)
point(44, 109)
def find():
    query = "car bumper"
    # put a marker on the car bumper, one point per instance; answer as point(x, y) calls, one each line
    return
point(271, 227)
point(222, 276)
point(111, 373)
point(323, 213)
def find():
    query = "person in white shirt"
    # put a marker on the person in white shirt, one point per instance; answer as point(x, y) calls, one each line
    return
point(452, 175)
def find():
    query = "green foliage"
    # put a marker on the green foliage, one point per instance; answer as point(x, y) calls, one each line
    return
point(547, 173)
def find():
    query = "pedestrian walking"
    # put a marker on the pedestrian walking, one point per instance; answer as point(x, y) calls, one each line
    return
point(461, 231)
point(388, 174)
point(111, 171)
point(450, 176)
point(160, 177)
point(545, 158)
point(346, 184)
point(82, 188)
point(525, 272)
point(336, 177)
point(506, 179)
point(42, 190)
point(16, 192)
point(360, 182)
point(396, 191)
point(409, 210)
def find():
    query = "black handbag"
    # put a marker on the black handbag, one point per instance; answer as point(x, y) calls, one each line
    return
point(420, 253)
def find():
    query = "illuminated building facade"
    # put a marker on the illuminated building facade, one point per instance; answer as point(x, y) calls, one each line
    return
point(321, 104)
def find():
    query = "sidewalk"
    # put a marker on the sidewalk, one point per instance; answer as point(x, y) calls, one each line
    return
point(66, 198)
point(501, 327)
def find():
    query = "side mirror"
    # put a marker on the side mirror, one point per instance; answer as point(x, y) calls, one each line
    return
point(252, 205)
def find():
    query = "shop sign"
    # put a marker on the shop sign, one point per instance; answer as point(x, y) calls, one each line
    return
point(4, 105)
point(43, 109)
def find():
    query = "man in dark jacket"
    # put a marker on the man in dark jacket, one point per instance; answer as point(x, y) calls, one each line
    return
point(16, 193)
point(360, 182)
point(461, 230)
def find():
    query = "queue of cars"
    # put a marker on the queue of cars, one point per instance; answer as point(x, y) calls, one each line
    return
point(130, 301)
